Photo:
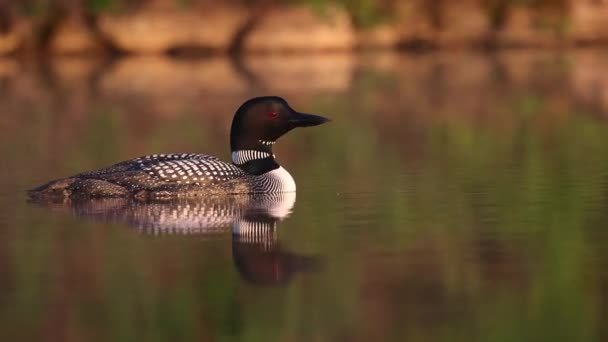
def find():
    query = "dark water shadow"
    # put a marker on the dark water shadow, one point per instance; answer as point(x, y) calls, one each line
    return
point(252, 220)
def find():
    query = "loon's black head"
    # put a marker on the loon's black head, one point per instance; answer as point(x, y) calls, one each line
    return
point(260, 121)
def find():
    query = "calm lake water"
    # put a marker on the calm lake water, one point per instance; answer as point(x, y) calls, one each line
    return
point(455, 196)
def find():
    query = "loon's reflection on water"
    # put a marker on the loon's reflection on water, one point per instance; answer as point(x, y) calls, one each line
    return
point(252, 220)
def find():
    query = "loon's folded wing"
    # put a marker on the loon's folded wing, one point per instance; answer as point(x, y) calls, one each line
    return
point(164, 175)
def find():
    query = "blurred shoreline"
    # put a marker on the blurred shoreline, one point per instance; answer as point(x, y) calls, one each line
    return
point(200, 27)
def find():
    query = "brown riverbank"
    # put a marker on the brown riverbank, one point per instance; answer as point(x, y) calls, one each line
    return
point(201, 27)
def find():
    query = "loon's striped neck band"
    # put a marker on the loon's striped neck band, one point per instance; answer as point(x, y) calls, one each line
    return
point(241, 157)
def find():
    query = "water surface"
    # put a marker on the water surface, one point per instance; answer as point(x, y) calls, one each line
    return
point(455, 196)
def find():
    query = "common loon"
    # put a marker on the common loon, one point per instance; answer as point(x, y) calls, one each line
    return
point(256, 126)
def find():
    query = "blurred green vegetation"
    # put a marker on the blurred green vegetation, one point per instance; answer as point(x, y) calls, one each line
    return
point(101, 5)
point(365, 13)
point(446, 206)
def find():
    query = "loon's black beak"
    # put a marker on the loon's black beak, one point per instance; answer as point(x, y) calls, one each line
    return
point(306, 120)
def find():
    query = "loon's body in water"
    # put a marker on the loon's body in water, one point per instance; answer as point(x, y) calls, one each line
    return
point(256, 126)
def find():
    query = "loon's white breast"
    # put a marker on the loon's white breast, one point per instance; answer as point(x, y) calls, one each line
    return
point(274, 181)
point(283, 179)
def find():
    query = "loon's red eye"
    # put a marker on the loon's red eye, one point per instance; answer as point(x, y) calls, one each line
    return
point(272, 114)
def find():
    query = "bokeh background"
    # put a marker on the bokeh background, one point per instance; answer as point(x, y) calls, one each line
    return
point(460, 192)
point(204, 26)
